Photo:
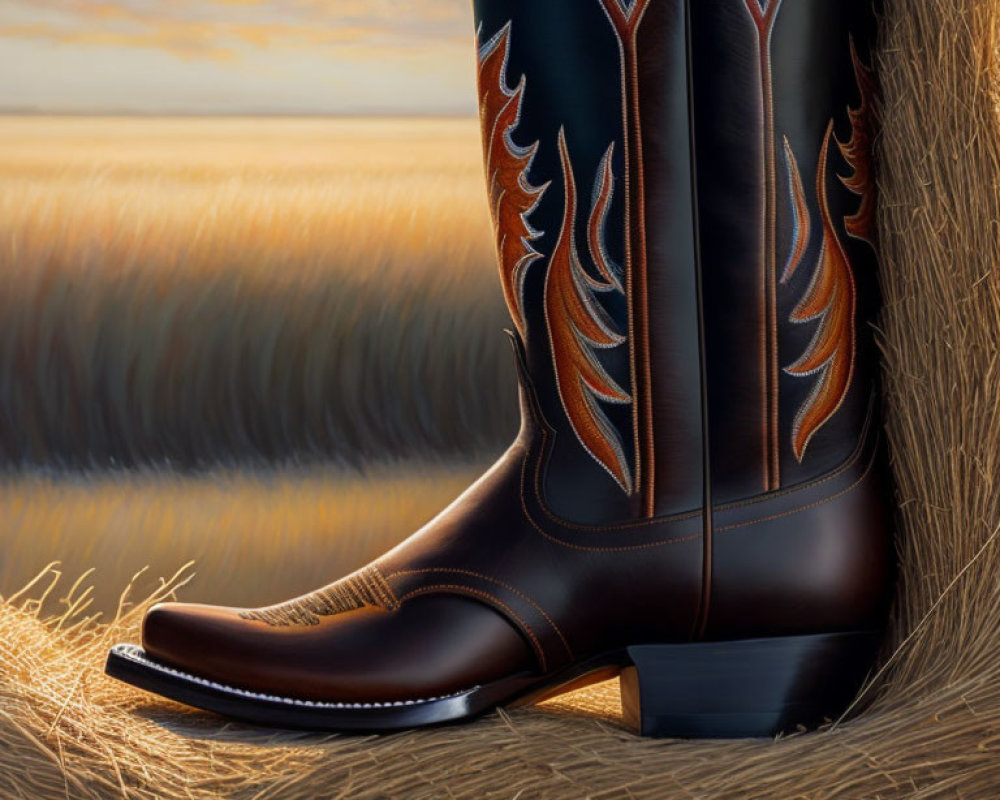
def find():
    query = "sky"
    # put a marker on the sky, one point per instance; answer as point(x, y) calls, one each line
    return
point(238, 56)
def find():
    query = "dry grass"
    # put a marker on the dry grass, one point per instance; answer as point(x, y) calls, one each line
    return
point(934, 731)
point(940, 220)
point(189, 292)
point(254, 538)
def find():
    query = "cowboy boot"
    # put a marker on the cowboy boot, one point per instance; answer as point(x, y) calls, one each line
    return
point(697, 498)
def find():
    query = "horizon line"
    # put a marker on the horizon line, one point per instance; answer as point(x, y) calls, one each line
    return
point(15, 111)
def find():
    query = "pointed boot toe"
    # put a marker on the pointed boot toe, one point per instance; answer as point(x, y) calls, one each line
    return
point(430, 660)
point(182, 633)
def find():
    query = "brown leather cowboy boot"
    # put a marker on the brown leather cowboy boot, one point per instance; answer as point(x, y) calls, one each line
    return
point(683, 200)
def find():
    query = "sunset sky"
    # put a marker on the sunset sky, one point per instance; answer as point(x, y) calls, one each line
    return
point(238, 56)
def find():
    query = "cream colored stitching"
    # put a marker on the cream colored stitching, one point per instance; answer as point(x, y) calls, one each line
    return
point(686, 538)
point(546, 432)
point(836, 472)
point(137, 655)
point(366, 587)
point(790, 512)
point(507, 586)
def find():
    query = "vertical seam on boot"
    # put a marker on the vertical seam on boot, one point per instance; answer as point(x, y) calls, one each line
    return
point(701, 621)
point(648, 434)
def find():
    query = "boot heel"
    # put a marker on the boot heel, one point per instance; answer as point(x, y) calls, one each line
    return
point(750, 687)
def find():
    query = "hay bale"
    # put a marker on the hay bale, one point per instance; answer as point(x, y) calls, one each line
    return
point(934, 728)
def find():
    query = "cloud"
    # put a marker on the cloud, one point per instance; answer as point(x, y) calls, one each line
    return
point(222, 29)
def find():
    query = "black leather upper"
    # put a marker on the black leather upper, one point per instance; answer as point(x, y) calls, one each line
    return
point(698, 117)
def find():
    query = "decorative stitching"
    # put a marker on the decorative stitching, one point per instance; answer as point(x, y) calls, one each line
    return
point(571, 545)
point(136, 654)
point(629, 260)
point(512, 197)
point(534, 412)
point(831, 299)
point(858, 153)
point(460, 589)
point(625, 22)
point(765, 25)
point(649, 487)
point(763, 17)
point(598, 220)
point(529, 392)
point(825, 478)
point(698, 535)
point(546, 432)
point(820, 502)
point(577, 324)
point(801, 220)
point(365, 587)
point(380, 588)
point(507, 586)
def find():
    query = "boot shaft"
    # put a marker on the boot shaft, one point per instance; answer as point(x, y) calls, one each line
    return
point(683, 201)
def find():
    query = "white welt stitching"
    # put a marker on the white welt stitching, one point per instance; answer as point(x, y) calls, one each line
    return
point(136, 654)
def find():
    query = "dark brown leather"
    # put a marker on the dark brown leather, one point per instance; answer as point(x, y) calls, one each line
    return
point(369, 653)
point(634, 145)
point(808, 559)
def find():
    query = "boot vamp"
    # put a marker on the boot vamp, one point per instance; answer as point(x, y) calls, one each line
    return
point(495, 586)
point(427, 647)
point(485, 591)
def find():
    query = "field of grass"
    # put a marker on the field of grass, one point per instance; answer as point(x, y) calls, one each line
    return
point(190, 292)
point(253, 537)
point(305, 310)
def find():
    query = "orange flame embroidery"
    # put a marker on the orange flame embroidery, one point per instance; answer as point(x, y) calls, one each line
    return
point(858, 153)
point(595, 226)
point(512, 197)
point(802, 223)
point(831, 299)
point(577, 324)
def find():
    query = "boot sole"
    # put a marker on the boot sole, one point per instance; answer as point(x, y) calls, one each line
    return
point(735, 689)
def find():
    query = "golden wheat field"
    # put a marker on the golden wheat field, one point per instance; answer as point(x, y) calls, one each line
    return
point(232, 295)
point(253, 536)
point(198, 291)
point(228, 294)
